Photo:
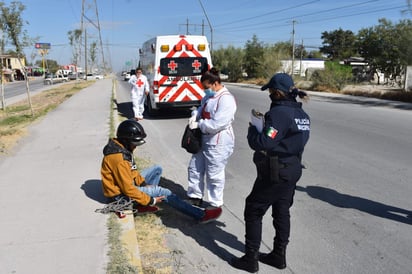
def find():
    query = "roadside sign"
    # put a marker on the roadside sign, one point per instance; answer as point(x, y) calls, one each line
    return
point(42, 45)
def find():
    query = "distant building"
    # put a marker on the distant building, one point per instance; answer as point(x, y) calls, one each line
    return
point(303, 67)
point(12, 68)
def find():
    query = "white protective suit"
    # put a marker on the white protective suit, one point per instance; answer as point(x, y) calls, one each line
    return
point(140, 87)
point(215, 117)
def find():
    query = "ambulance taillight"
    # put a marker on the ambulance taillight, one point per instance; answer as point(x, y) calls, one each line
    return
point(155, 87)
point(201, 47)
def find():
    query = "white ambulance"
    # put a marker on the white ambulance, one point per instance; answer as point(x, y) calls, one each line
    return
point(173, 66)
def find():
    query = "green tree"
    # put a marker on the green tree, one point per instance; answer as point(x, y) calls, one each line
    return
point(93, 55)
point(338, 44)
point(283, 50)
point(13, 23)
point(404, 29)
point(229, 61)
point(75, 43)
point(235, 65)
point(334, 76)
point(52, 65)
point(271, 61)
point(387, 46)
point(253, 57)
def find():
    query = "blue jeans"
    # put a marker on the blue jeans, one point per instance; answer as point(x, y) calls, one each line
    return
point(152, 178)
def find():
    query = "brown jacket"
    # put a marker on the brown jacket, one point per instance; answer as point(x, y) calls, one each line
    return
point(120, 174)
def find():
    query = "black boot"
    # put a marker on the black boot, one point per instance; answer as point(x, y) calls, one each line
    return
point(276, 258)
point(249, 262)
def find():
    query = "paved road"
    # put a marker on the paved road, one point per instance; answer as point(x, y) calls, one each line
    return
point(352, 210)
point(50, 188)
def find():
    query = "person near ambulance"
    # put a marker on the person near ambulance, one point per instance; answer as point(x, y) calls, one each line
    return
point(278, 154)
point(214, 117)
point(139, 91)
point(121, 179)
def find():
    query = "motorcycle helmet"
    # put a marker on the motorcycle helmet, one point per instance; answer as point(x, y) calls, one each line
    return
point(130, 132)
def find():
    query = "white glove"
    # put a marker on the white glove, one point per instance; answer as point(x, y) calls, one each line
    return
point(192, 119)
point(194, 112)
point(193, 124)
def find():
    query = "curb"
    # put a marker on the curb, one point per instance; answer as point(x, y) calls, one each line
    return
point(129, 240)
point(127, 224)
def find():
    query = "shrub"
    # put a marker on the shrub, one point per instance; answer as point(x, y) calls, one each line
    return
point(334, 77)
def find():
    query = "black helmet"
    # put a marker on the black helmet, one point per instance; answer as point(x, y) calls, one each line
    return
point(131, 132)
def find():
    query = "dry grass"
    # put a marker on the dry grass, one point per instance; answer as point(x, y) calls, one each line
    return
point(155, 255)
point(15, 118)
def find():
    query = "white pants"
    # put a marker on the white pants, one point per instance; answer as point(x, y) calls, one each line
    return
point(209, 164)
point(138, 106)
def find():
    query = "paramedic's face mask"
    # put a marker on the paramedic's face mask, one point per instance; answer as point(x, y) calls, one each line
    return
point(209, 92)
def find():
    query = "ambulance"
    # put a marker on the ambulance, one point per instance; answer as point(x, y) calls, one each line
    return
point(173, 65)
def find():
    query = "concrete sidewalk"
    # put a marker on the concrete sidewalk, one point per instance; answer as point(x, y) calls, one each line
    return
point(50, 187)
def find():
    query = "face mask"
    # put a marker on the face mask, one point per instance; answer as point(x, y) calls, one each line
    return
point(209, 92)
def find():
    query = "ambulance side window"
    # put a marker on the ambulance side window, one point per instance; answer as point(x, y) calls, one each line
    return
point(183, 66)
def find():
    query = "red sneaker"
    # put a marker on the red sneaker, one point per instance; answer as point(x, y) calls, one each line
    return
point(145, 209)
point(211, 214)
point(120, 214)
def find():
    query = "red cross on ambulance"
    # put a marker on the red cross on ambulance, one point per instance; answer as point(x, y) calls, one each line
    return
point(172, 65)
point(196, 64)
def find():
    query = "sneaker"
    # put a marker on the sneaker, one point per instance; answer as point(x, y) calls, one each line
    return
point(145, 209)
point(211, 214)
point(120, 214)
point(195, 201)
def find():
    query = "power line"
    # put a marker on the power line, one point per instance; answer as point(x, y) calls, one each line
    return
point(332, 17)
point(265, 14)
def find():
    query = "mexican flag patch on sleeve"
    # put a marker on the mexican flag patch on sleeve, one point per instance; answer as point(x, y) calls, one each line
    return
point(271, 132)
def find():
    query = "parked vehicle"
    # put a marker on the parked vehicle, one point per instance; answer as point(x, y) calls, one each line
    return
point(127, 76)
point(72, 76)
point(51, 79)
point(173, 65)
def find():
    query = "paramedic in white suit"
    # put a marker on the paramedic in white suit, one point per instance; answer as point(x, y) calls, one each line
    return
point(140, 88)
point(214, 117)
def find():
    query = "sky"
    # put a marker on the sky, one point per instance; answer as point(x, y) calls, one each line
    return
point(126, 24)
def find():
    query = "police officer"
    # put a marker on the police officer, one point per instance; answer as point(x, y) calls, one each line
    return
point(278, 154)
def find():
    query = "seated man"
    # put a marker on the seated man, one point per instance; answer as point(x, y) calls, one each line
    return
point(120, 176)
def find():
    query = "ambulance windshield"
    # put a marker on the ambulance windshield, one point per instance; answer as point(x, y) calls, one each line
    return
point(183, 66)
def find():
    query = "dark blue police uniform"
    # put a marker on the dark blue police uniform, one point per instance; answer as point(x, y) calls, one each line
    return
point(278, 155)
point(278, 152)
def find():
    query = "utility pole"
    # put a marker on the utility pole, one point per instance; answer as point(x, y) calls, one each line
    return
point(96, 25)
point(193, 26)
point(293, 46)
point(301, 57)
point(210, 26)
point(85, 54)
